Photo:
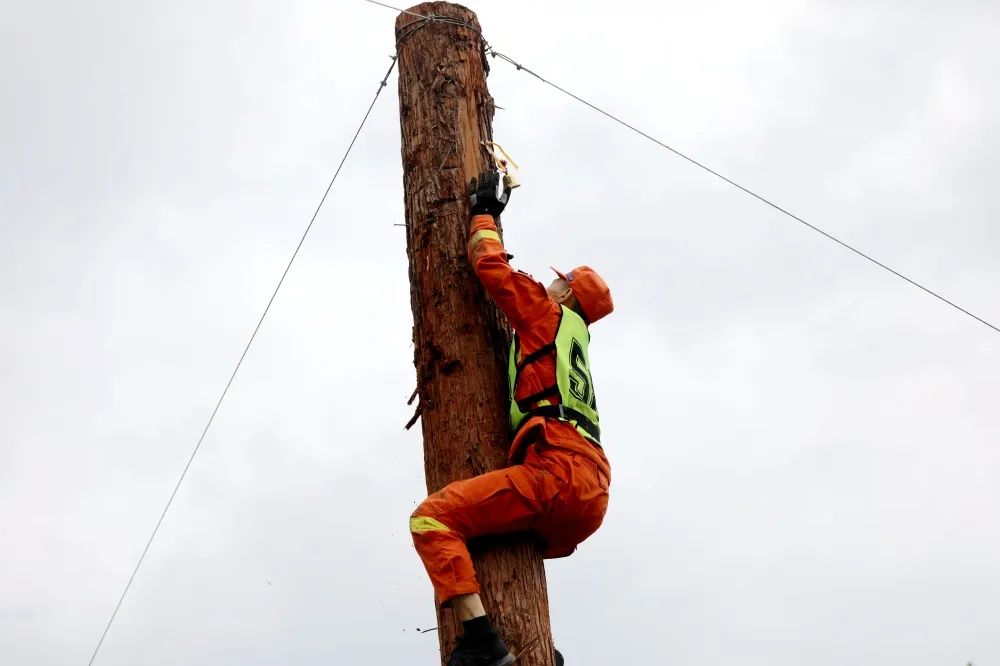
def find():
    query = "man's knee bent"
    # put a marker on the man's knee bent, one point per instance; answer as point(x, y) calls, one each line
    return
point(425, 518)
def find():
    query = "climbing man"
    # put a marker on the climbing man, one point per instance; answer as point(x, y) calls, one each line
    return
point(557, 483)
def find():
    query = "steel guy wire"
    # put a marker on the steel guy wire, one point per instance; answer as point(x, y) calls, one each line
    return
point(759, 197)
point(239, 363)
point(402, 11)
point(432, 18)
point(496, 54)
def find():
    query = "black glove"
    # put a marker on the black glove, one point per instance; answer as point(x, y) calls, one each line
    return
point(484, 194)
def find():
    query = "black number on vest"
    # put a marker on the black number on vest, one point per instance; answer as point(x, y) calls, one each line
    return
point(580, 383)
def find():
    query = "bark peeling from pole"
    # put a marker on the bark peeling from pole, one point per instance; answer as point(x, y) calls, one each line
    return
point(460, 339)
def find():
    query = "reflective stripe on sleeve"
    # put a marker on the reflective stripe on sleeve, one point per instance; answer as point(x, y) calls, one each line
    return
point(483, 234)
point(420, 524)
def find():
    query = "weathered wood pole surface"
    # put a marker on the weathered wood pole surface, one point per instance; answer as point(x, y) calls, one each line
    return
point(460, 338)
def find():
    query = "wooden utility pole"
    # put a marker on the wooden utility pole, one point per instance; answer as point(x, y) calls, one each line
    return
point(460, 338)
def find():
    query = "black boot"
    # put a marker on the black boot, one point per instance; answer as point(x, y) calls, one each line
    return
point(479, 652)
point(559, 658)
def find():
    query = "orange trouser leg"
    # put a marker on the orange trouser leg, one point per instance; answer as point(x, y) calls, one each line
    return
point(547, 494)
point(508, 500)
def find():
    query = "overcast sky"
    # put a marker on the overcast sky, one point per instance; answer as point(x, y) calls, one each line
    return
point(804, 448)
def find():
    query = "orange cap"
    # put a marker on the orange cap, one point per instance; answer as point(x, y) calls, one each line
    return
point(591, 292)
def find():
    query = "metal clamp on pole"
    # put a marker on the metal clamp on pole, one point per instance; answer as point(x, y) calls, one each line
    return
point(503, 162)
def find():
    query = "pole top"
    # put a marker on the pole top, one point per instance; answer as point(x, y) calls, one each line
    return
point(442, 10)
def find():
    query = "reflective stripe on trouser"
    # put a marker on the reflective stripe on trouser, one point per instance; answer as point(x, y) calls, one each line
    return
point(559, 494)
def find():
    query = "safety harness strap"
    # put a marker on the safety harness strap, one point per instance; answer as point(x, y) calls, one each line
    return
point(564, 413)
point(539, 353)
point(524, 404)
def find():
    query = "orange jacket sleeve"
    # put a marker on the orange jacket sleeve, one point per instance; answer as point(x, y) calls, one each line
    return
point(517, 294)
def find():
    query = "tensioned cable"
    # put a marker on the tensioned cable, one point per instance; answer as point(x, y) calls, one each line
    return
point(434, 18)
point(715, 173)
point(496, 54)
point(239, 363)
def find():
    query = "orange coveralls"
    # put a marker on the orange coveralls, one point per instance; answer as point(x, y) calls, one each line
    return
point(557, 484)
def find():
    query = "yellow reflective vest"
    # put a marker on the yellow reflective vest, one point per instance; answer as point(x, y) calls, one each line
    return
point(574, 386)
